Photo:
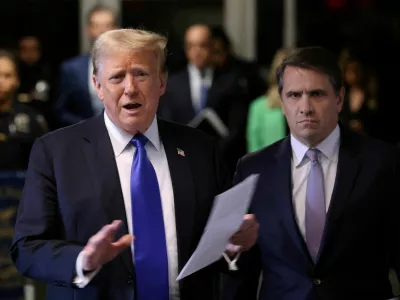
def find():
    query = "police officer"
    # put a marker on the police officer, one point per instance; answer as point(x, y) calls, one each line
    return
point(20, 125)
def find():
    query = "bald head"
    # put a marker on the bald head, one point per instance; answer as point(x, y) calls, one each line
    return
point(198, 45)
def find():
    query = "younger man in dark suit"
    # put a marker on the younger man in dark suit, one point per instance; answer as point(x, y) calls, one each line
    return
point(327, 202)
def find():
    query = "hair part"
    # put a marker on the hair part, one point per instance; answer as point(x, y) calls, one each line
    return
point(130, 40)
point(313, 58)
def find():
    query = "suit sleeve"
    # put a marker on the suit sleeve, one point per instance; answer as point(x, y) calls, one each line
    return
point(243, 283)
point(66, 88)
point(392, 196)
point(224, 177)
point(39, 249)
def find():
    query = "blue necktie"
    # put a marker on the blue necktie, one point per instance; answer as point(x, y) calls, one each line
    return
point(203, 96)
point(151, 261)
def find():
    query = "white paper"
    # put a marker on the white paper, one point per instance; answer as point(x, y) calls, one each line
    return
point(225, 219)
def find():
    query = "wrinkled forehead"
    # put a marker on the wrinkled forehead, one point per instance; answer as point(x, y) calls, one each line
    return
point(301, 79)
point(114, 57)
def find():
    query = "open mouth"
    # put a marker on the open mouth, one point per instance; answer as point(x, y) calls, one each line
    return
point(132, 106)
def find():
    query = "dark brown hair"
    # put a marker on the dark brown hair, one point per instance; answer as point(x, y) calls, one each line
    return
point(314, 58)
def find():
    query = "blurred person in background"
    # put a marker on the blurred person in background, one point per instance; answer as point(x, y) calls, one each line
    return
point(249, 76)
point(360, 104)
point(35, 76)
point(266, 123)
point(77, 95)
point(20, 125)
point(203, 85)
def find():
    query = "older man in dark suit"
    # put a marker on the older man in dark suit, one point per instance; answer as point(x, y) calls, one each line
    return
point(117, 204)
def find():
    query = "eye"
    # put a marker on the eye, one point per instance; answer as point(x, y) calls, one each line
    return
point(116, 78)
point(317, 94)
point(141, 73)
point(294, 95)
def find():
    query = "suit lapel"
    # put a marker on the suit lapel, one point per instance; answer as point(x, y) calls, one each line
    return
point(215, 86)
point(183, 187)
point(347, 171)
point(283, 184)
point(100, 156)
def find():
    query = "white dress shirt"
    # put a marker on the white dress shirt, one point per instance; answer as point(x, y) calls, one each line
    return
point(328, 158)
point(196, 81)
point(124, 152)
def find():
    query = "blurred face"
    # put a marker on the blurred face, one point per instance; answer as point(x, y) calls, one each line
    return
point(100, 22)
point(29, 50)
point(310, 104)
point(220, 53)
point(352, 74)
point(130, 85)
point(8, 80)
point(198, 46)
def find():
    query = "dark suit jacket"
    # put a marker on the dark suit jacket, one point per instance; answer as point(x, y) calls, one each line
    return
point(74, 103)
point(72, 190)
point(361, 237)
point(225, 97)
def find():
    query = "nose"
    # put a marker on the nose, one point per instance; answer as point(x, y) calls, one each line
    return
point(130, 86)
point(306, 107)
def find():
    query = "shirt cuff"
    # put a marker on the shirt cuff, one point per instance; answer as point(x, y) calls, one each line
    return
point(232, 262)
point(82, 279)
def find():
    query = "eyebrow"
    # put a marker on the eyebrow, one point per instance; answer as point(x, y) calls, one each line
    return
point(310, 93)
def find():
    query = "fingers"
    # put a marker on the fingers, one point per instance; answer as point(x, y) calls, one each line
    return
point(249, 220)
point(246, 237)
point(123, 242)
point(99, 248)
point(105, 234)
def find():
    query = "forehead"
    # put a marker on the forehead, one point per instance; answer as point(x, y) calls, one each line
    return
point(198, 34)
point(102, 16)
point(29, 42)
point(6, 65)
point(295, 78)
point(122, 59)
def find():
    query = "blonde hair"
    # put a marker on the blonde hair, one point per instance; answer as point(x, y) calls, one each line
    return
point(130, 40)
point(273, 96)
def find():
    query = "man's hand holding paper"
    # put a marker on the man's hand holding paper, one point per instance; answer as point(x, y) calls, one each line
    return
point(226, 226)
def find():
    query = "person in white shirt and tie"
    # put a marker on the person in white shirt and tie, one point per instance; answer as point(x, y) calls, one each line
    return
point(114, 206)
point(202, 85)
point(328, 200)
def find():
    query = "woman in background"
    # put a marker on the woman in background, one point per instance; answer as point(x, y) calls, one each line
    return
point(266, 123)
point(360, 104)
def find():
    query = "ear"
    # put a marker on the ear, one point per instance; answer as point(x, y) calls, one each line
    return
point(98, 86)
point(341, 99)
point(283, 107)
point(163, 83)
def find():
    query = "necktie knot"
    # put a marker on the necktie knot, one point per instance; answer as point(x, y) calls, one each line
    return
point(139, 140)
point(312, 154)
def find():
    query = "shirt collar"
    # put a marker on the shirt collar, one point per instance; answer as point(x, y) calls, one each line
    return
point(328, 147)
point(120, 139)
point(194, 71)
